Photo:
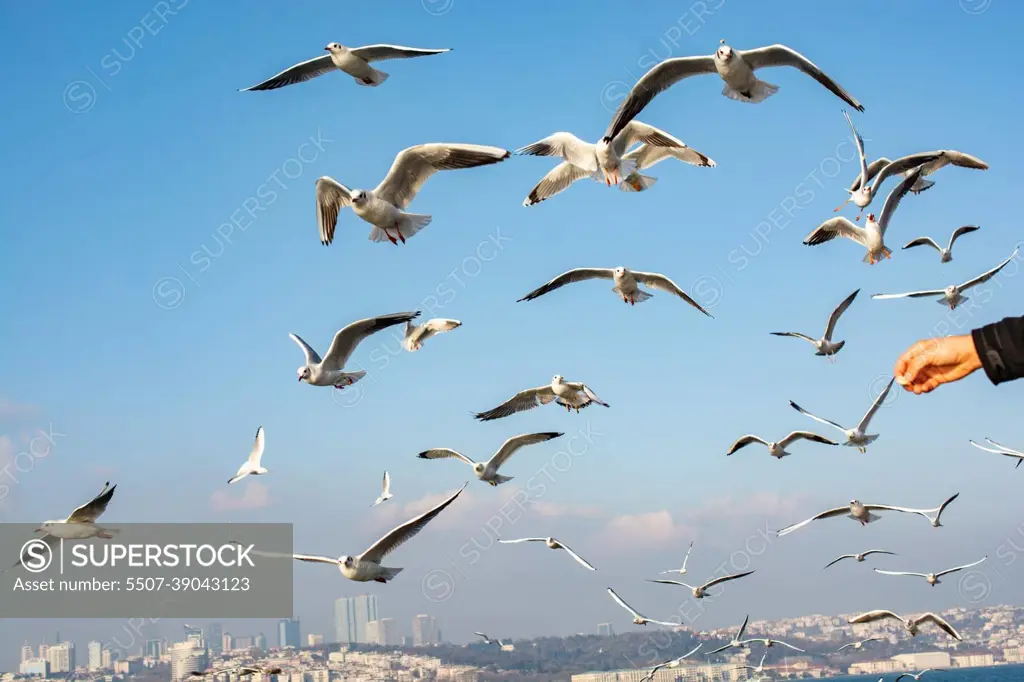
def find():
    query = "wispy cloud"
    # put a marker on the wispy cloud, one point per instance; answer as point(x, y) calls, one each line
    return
point(256, 496)
point(12, 411)
point(651, 529)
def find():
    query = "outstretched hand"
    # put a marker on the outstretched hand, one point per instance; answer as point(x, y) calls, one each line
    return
point(929, 363)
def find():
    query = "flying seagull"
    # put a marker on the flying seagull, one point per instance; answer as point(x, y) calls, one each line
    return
point(700, 591)
point(856, 510)
point(553, 544)
point(384, 207)
point(759, 668)
point(385, 494)
point(1001, 450)
point(859, 557)
point(916, 677)
point(736, 641)
point(330, 371)
point(858, 645)
point(487, 640)
point(252, 467)
point(243, 671)
point(638, 619)
point(674, 663)
point(367, 566)
point(952, 295)
point(825, 345)
point(681, 571)
point(859, 190)
point(778, 449)
point(415, 334)
point(911, 624)
point(945, 254)
point(872, 235)
point(626, 284)
point(488, 471)
point(355, 61)
point(768, 643)
point(568, 394)
point(881, 169)
point(856, 437)
point(932, 578)
point(735, 67)
point(609, 162)
point(938, 511)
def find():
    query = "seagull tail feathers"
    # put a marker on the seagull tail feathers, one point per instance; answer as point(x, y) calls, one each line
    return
point(637, 183)
point(759, 93)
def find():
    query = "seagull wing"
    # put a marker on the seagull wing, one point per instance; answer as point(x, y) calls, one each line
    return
point(662, 581)
point(518, 540)
point(520, 402)
point(566, 146)
point(400, 534)
point(509, 447)
point(909, 294)
point(592, 397)
point(647, 155)
point(688, 550)
point(922, 241)
point(837, 313)
point(859, 141)
point(1003, 448)
point(346, 340)
point(958, 232)
point(918, 575)
point(980, 279)
point(964, 160)
point(889, 507)
point(878, 551)
point(942, 507)
point(743, 628)
point(94, 508)
point(331, 197)
point(836, 227)
point(873, 168)
point(960, 568)
point(836, 561)
point(938, 620)
point(805, 435)
point(414, 165)
point(377, 53)
point(256, 454)
point(725, 578)
point(635, 131)
point(445, 453)
point(299, 73)
point(580, 560)
point(743, 441)
point(623, 604)
point(574, 275)
point(815, 417)
point(658, 281)
point(902, 165)
point(312, 558)
point(795, 335)
point(875, 405)
point(557, 180)
point(838, 511)
point(386, 483)
point(895, 196)
point(871, 616)
point(780, 55)
point(779, 641)
point(312, 358)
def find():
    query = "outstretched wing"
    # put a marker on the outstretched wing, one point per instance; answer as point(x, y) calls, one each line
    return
point(909, 294)
point(377, 53)
point(960, 568)
point(938, 620)
point(400, 534)
point(312, 358)
point(875, 405)
point(413, 166)
point(815, 417)
point(647, 155)
point(780, 55)
point(836, 227)
point(902, 165)
point(256, 454)
point(346, 340)
point(836, 561)
point(445, 453)
point(299, 73)
point(922, 241)
point(623, 604)
point(871, 616)
point(580, 560)
point(557, 180)
point(895, 196)
point(91, 510)
point(509, 447)
point(635, 131)
point(859, 141)
point(837, 313)
point(726, 578)
point(795, 335)
point(838, 511)
point(965, 229)
point(658, 281)
point(566, 146)
point(574, 275)
point(744, 441)
point(520, 402)
point(331, 197)
point(918, 575)
point(982, 278)
point(805, 435)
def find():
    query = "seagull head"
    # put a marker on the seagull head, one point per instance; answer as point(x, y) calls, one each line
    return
point(479, 468)
point(724, 51)
point(303, 373)
point(871, 217)
point(557, 379)
point(951, 290)
point(334, 47)
point(346, 561)
point(358, 196)
point(619, 271)
point(854, 502)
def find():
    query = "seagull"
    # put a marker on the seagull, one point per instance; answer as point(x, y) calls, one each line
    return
point(330, 370)
point(252, 467)
point(860, 644)
point(825, 346)
point(701, 591)
point(385, 494)
point(415, 334)
point(487, 640)
point(856, 437)
point(366, 566)
point(945, 254)
point(1001, 450)
point(626, 284)
point(929, 162)
point(916, 677)
point(553, 544)
point(938, 511)
point(932, 578)
point(872, 235)
point(384, 207)
point(637, 618)
point(768, 643)
point(247, 670)
point(952, 295)
point(778, 449)
point(488, 471)
point(674, 663)
point(736, 641)
point(610, 161)
point(911, 624)
point(680, 571)
point(735, 67)
point(856, 510)
point(759, 668)
point(568, 394)
point(859, 557)
point(355, 61)
point(860, 191)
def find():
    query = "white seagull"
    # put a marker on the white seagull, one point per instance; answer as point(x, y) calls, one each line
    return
point(701, 591)
point(916, 677)
point(737, 641)
point(858, 645)
point(735, 67)
point(825, 345)
point(872, 235)
point(638, 619)
point(860, 556)
point(778, 449)
point(911, 624)
point(355, 61)
point(384, 207)
point(488, 471)
point(570, 395)
point(952, 295)
point(858, 436)
point(1001, 450)
point(385, 494)
point(932, 578)
point(945, 254)
point(673, 663)
point(858, 511)
point(416, 334)
point(366, 566)
point(487, 640)
point(938, 511)
point(881, 169)
point(768, 643)
point(681, 571)
point(330, 371)
point(252, 466)
point(553, 544)
point(759, 668)
point(626, 284)
point(609, 162)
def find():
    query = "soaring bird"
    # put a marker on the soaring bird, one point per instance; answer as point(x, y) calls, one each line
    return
point(952, 295)
point(569, 394)
point(856, 510)
point(638, 619)
point(552, 543)
point(488, 471)
point(701, 591)
point(945, 253)
point(932, 578)
point(736, 641)
point(252, 466)
point(385, 493)
point(681, 571)
point(911, 624)
point(858, 645)
point(626, 284)
point(859, 556)
point(416, 334)
point(777, 449)
point(856, 437)
point(825, 345)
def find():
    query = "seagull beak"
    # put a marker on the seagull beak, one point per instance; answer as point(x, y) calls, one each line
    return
point(327, 49)
point(38, 530)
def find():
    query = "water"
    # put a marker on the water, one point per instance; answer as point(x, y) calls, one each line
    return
point(999, 673)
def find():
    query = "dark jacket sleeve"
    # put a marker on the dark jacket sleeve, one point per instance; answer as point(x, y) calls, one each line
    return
point(1001, 348)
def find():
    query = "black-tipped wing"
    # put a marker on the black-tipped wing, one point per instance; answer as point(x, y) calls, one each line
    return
point(520, 402)
point(958, 232)
point(726, 578)
point(94, 508)
point(984, 277)
point(805, 435)
point(331, 197)
point(301, 72)
point(922, 241)
point(744, 441)
point(509, 447)
point(902, 165)
point(346, 340)
point(407, 530)
point(658, 281)
point(413, 166)
point(875, 405)
point(575, 275)
point(377, 53)
point(892, 201)
point(780, 55)
point(836, 227)
point(557, 180)
point(445, 453)
point(837, 313)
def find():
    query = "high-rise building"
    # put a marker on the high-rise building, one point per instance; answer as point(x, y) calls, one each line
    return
point(351, 614)
point(195, 635)
point(106, 660)
point(43, 650)
point(35, 666)
point(214, 639)
point(155, 648)
point(314, 640)
point(186, 657)
point(288, 633)
point(383, 632)
point(227, 642)
point(260, 642)
point(424, 630)
point(61, 657)
point(95, 656)
point(605, 630)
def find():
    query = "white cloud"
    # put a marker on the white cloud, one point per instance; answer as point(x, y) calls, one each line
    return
point(651, 529)
point(255, 496)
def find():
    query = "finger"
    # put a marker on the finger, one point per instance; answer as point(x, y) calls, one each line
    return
point(918, 363)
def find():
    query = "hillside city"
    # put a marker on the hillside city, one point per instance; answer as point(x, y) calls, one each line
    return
point(365, 646)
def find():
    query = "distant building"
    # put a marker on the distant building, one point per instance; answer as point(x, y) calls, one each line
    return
point(227, 642)
point(155, 648)
point(877, 667)
point(383, 632)
point(424, 630)
point(243, 643)
point(1014, 655)
point(215, 639)
point(106, 660)
point(314, 640)
point(718, 672)
point(924, 659)
point(39, 667)
point(288, 633)
point(260, 642)
point(61, 657)
point(129, 667)
point(186, 657)
point(351, 614)
point(605, 630)
point(27, 653)
point(95, 656)
point(973, 659)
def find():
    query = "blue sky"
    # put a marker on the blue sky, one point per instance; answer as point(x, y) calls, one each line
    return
point(158, 345)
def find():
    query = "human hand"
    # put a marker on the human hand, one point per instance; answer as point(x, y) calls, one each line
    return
point(927, 364)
